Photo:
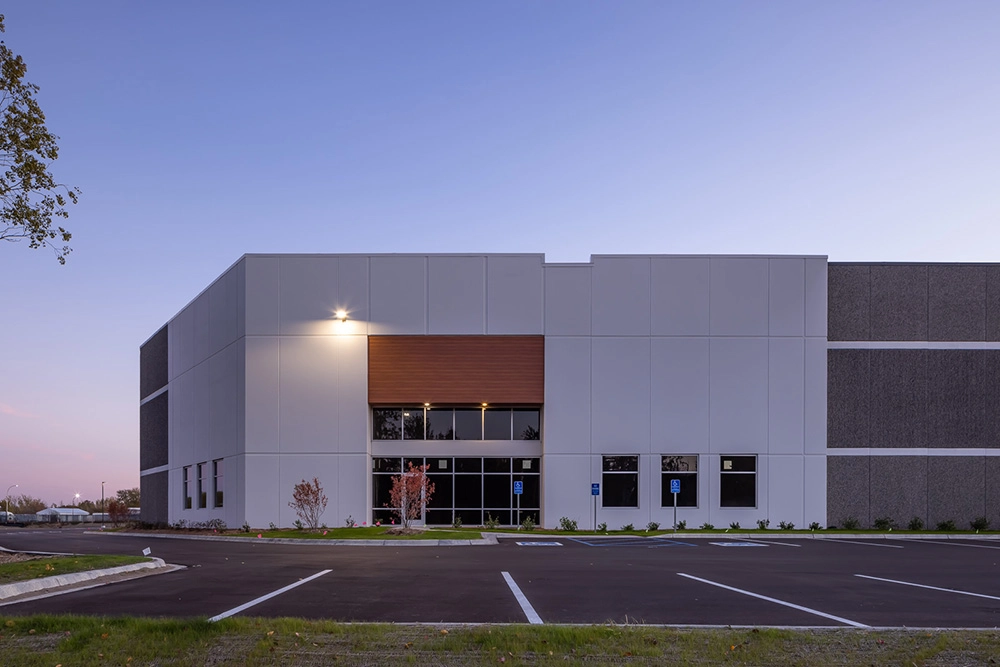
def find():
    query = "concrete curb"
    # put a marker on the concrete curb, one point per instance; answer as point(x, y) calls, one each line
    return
point(818, 535)
point(487, 539)
point(56, 581)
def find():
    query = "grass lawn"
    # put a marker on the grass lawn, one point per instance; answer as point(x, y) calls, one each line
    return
point(68, 640)
point(47, 567)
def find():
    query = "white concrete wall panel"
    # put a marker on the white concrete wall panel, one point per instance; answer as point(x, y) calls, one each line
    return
point(621, 296)
point(262, 302)
point(293, 469)
point(456, 295)
point(816, 297)
point(352, 394)
point(620, 395)
point(225, 308)
point(785, 404)
point(679, 395)
point(262, 354)
point(352, 497)
point(307, 288)
point(398, 295)
point(739, 296)
point(786, 296)
point(263, 499)
point(739, 373)
point(814, 490)
point(180, 339)
point(308, 387)
point(514, 295)
point(203, 334)
point(679, 293)
point(815, 395)
point(785, 495)
point(566, 414)
point(352, 295)
point(225, 374)
point(566, 483)
point(567, 300)
point(181, 406)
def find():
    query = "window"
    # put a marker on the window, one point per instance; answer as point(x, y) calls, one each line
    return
point(217, 473)
point(187, 487)
point(385, 424)
point(621, 481)
point(439, 424)
point(684, 469)
point(202, 486)
point(469, 424)
point(413, 424)
point(458, 423)
point(738, 481)
point(526, 425)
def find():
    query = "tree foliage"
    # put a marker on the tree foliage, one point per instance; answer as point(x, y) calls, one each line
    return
point(25, 504)
point(30, 197)
point(410, 493)
point(117, 511)
point(309, 502)
point(130, 497)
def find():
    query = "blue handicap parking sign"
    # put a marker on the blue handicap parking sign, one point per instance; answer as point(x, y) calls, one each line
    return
point(518, 488)
point(675, 486)
point(595, 489)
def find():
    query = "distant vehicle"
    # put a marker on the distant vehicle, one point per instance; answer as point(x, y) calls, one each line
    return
point(6, 517)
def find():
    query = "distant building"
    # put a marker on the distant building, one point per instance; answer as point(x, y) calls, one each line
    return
point(63, 514)
point(778, 388)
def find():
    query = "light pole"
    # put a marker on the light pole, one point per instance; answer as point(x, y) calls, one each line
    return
point(7, 496)
point(102, 504)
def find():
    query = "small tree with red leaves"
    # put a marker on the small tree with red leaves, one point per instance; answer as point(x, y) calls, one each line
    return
point(117, 511)
point(309, 502)
point(411, 491)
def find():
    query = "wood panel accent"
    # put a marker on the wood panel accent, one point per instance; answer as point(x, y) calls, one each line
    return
point(439, 370)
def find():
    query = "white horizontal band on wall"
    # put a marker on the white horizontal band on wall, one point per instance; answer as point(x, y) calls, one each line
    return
point(914, 451)
point(911, 345)
point(154, 394)
point(153, 471)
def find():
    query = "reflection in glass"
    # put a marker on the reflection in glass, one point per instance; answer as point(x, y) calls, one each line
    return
point(386, 423)
point(413, 423)
point(393, 464)
point(526, 425)
point(621, 463)
point(496, 424)
point(439, 424)
point(468, 424)
point(496, 465)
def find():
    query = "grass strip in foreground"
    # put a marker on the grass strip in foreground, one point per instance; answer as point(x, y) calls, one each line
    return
point(69, 640)
point(54, 565)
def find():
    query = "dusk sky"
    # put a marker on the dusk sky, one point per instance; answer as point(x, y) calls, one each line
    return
point(202, 131)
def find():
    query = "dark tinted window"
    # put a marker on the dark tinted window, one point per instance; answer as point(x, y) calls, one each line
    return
point(620, 490)
point(497, 491)
point(386, 465)
point(496, 465)
point(688, 497)
point(621, 463)
point(439, 425)
point(738, 463)
point(468, 424)
point(413, 423)
point(468, 491)
point(497, 424)
point(468, 465)
point(738, 490)
point(386, 424)
point(526, 425)
point(531, 496)
point(442, 496)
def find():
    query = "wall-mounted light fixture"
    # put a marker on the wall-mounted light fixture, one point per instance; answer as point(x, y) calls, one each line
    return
point(341, 315)
point(427, 405)
point(485, 404)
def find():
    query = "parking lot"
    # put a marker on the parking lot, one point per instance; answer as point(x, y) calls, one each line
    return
point(551, 579)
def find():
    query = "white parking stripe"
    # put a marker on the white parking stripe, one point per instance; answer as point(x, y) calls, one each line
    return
point(529, 611)
point(776, 601)
point(933, 588)
point(867, 544)
point(779, 543)
point(955, 543)
point(236, 610)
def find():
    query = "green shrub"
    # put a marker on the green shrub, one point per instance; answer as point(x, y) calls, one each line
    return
point(884, 523)
point(707, 526)
point(298, 525)
point(349, 521)
point(947, 525)
point(457, 523)
point(735, 525)
point(602, 527)
point(528, 523)
point(851, 523)
point(815, 526)
point(916, 523)
point(652, 525)
point(762, 524)
point(682, 525)
point(491, 522)
point(786, 525)
point(246, 527)
point(627, 526)
point(980, 523)
point(566, 523)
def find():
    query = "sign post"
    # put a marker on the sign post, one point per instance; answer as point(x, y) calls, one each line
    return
point(595, 490)
point(675, 488)
point(518, 490)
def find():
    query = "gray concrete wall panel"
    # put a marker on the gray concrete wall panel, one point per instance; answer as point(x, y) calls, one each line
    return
point(816, 296)
point(680, 296)
point(262, 296)
point(155, 492)
point(515, 290)
point(899, 398)
point(849, 398)
point(739, 376)
point(307, 288)
point(992, 474)
point(739, 296)
point(621, 301)
point(956, 398)
point(991, 432)
point(786, 300)
point(567, 300)
point(456, 295)
point(899, 302)
point(898, 488)
point(679, 395)
point(815, 396)
point(847, 489)
point(566, 417)
point(993, 302)
point(956, 302)
point(956, 489)
point(620, 411)
point(849, 289)
point(398, 296)
point(785, 396)
point(153, 369)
